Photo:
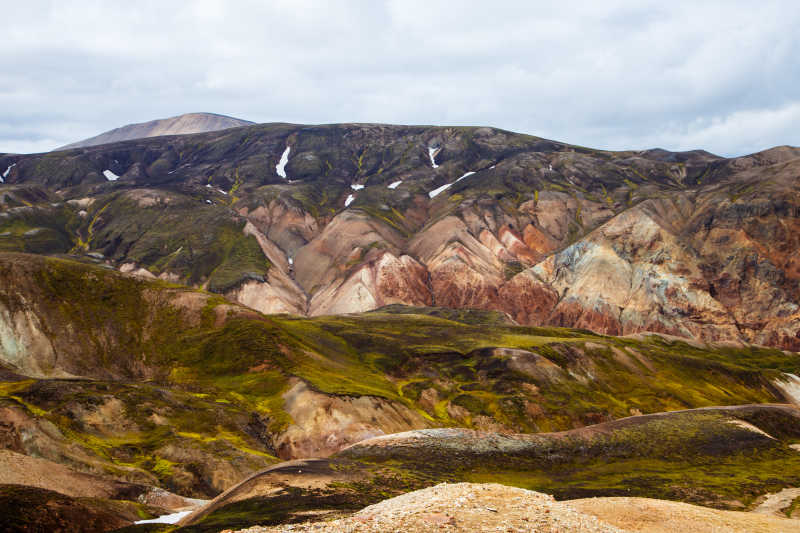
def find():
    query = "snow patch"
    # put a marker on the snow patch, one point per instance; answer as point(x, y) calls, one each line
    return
point(7, 172)
point(280, 168)
point(173, 518)
point(223, 192)
point(349, 200)
point(208, 185)
point(395, 184)
point(432, 155)
point(435, 192)
point(464, 176)
point(110, 176)
point(356, 186)
point(291, 261)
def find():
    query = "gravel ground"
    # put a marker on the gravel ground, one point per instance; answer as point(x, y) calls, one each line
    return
point(645, 515)
point(460, 507)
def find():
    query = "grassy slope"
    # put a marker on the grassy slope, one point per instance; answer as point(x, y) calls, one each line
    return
point(209, 376)
point(701, 456)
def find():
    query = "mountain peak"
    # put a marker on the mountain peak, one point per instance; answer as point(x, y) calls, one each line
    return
point(178, 125)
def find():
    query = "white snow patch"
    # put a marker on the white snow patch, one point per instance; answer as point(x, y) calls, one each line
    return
point(435, 192)
point(356, 186)
point(291, 261)
point(209, 202)
point(492, 167)
point(550, 167)
point(395, 184)
point(7, 172)
point(208, 185)
point(165, 519)
point(280, 168)
point(432, 155)
point(349, 200)
point(223, 192)
point(464, 176)
point(110, 176)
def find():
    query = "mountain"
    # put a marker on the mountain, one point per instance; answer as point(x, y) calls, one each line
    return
point(296, 321)
point(180, 125)
point(686, 244)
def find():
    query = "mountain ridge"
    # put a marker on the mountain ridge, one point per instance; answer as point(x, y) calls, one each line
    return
point(184, 124)
point(465, 217)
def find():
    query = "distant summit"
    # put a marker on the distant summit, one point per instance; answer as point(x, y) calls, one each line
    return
point(180, 125)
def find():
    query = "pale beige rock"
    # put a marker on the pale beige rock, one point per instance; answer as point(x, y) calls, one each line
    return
point(460, 507)
point(659, 516)
point(323, 425)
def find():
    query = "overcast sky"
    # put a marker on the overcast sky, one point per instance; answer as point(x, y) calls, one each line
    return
point(723, 76)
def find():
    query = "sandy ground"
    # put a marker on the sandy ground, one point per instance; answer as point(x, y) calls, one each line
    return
point(660, 516)
point(460, 507)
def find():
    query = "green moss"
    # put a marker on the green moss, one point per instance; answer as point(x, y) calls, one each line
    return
point(244, 260)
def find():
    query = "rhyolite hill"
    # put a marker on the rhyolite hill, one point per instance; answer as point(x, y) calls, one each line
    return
point(179, 313)
point(686, 244)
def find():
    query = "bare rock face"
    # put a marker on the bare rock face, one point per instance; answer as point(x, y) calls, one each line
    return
point(25, 346)
point(463, 271)
point(383, 281)
point(341, 245)
point(324, 424)
point(279, 293)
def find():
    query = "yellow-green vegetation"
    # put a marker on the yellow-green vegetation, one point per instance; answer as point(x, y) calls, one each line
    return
point(169, 232)
point(712, 457)
point(206, 374)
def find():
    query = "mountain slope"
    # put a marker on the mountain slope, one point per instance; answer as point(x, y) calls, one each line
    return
point(180, 125)
point(686, 244)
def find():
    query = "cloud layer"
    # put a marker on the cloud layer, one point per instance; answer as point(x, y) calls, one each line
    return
point(721, 75)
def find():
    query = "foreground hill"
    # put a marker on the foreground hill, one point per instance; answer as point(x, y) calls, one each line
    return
point(133, 384)
point(180, 125)
point(722, 457)
point(315, 220)
point(493, 507)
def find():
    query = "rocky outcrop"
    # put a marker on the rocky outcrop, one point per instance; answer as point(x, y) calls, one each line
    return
point(322, 425)
point(384, 280)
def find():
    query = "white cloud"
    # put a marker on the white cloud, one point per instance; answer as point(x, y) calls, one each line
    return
point(611, 74)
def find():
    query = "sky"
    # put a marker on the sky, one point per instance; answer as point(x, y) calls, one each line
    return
point(718, 75)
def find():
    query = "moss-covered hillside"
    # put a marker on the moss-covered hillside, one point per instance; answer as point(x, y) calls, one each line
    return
point(155, 383)
point(723, 458)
